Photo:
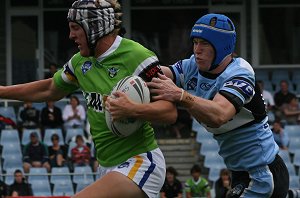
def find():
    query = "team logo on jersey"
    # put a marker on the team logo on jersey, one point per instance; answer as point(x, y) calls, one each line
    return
point(87, 65)
point(124, 165)
point(191, 84)
point(205, 86)
point(69, 74)
point(242, 85)
point(112, 71)
point(178, 66)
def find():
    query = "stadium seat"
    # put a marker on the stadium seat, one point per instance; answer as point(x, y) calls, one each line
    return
point(63, 189)
point(61, 103)
point(208, 146)
point(202, 134)
point(72, 144)
point(37, 174)
point(262, 74)
point(291, 169)
point(214, 174)
point(8, 112)
point(83, 174)
point(12, 161)
point(26, 135)
point(39, 105)
point(12, 149)
point(296, 160)
point(285, 155)
point(41, 188)
point(71, 132)
point(60, 175)
point(9, 136)
point(214, 160)
point(294, 144)
point(294, 182)
point(292, 130)
point(81, 186)
point(49, 133)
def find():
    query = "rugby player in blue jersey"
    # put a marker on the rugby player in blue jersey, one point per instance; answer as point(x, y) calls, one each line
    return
point(220, 92)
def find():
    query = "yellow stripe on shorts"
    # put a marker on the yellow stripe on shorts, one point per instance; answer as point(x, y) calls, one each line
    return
point(136, 166)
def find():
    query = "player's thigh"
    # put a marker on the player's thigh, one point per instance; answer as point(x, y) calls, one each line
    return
point(112, 185)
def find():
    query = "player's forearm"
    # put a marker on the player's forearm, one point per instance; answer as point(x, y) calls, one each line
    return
point(205, 111)
point(158, 111)
point(37, 91)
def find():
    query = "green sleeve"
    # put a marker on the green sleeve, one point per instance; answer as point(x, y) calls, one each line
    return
point(63, 85)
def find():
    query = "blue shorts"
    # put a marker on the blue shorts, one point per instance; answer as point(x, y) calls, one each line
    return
point(265, 181)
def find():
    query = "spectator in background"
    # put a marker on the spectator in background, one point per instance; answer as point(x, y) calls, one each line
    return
point(57, 153)
point(30, 116)
point(267, 96)
point(20, 187)
point(280, 137)
point(3, 189)
point(222, 185)
point(172, 186)
point(291, 110)
point(52, 70)
point(80, 154)
point(35, 154)
point(197, 186)
point(283, 95)
point(74, 114)
point(51, 116)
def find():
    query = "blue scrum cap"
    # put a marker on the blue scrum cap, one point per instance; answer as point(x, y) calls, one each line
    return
point(219, 31)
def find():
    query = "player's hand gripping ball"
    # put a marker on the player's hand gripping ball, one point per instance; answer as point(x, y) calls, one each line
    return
point(136, 89)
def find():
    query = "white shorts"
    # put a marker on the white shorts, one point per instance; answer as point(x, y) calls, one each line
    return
point(147, 170)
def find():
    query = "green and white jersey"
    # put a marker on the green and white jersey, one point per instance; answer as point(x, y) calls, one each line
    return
point(198, 188)
point(96, 77)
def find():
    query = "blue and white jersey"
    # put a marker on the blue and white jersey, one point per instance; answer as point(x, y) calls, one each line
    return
point(246, 140)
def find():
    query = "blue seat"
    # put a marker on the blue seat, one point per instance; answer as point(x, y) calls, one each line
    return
point(49, 133)
point(214, 160)
point(262, 74)
point(37, 174)
point(12, 149)
point(39, 105)
point(60, 175)
point(63, 189)
point(41, 188)
point(285, 155)
point(202, 134)
point(9, 136)
point(26, 135)
point(294, 144)
point(291, 169)
point(296, 160)
point(292, 130)
point(81, 186)
point(214, 174)
point(208, 146)
point(12, 161)
point(8, 112)
point(71, 132)
point(294, 182)
point(83, 174)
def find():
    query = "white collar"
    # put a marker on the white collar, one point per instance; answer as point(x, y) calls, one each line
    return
point(112, 48)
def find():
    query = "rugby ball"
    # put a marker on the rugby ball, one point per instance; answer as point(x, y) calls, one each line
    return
point(136, 89)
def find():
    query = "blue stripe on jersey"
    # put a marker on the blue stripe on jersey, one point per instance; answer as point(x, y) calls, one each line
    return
point(149, 171)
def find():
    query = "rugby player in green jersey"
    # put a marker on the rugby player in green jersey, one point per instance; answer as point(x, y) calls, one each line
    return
point(129, 167)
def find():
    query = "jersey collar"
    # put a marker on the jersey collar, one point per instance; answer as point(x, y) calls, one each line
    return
point(112, 48)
